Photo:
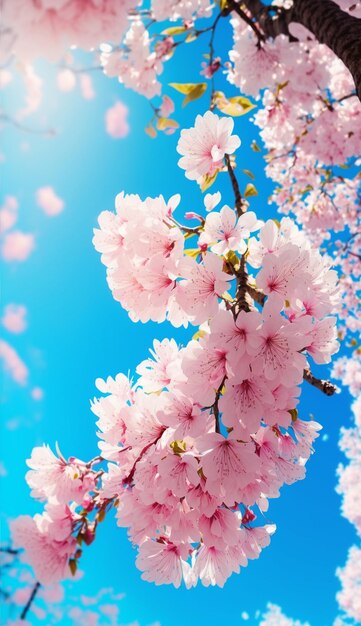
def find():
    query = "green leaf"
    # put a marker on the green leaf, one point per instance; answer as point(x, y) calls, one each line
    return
point(185, 88)
point(164, 122)
point(250, 191)
point(207, 181)
point(191, 37)
point(192, 252)
point(198, 335)
point(196, 93)
point(174, 30)
point(179, 446)
point(233, 259)
point(150, 130)
point(235, 106)
point(192, 91)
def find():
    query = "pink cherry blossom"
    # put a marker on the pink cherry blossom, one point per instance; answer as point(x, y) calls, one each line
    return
point(17, 246)
point(48, 557)
point(161, 563)
point(13, 364)
point(116, 121)
point(66, 80)
point(223, 232)
point(48, 201)
point(204, 283)
point(204, 146)
point(14, 318)
point(52, 476)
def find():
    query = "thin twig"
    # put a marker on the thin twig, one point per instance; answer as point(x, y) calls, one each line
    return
point(10, 120)
point(215, 405)
point(239, 203)
point(323, 385)
point(257, 295)
point(30, 601)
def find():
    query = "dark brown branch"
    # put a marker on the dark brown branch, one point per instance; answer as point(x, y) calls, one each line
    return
point(242, 289)
point(239, 202)
point(30, 601)
point(323, 385)
point(215, 405)
point(335, 28)
point(257, 295)
point(237, 9)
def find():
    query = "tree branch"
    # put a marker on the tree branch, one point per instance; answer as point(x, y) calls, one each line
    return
point(30, 601)
point(335, 28)
point(239, 202)
point(323, 385)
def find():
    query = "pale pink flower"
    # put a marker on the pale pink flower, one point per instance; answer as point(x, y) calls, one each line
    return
point(224, 232)
point(13, 364)
point(246, 400)
point(162, 563)
point(321, 342)
point(221, 529)
point(52, 476)
point(14, 318)
point(185, 416)
point(17, 246)
point(37, 393)
point(167, 107)
point(222, 460)
point(86, 86)
point(66, 80)
point(47, 200)
point(180, 472)
point(204, 367)
point(48, 557)
point(211, 200)
point(204, 146)
point(163, 369)
point(240, 337)
point(205, 282)
point(142, 420)
point(214, 565)
point(116, 121)
point(8, 213)
point(278, 355)
point(48, 29)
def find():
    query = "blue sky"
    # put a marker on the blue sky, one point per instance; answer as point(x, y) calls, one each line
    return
point(77, 333)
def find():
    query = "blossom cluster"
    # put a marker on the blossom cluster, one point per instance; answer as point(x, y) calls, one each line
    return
point(309, 120)
point(209, 432)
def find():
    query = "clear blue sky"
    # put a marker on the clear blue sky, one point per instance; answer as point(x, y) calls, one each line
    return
point(77, 333)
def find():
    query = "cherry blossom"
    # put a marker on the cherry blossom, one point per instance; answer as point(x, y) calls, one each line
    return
point(116, 123)
point(48, 201)
point(14, 318)
point(17, 246)
point(13, 364)
point(48, 554)
point(204, 146)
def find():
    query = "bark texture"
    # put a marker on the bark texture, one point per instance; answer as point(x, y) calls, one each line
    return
point(338, 30)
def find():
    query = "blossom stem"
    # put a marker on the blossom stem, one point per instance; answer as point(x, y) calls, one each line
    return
point(240, 205)
point(323, 385)
point(30, 601)
point(215, 405)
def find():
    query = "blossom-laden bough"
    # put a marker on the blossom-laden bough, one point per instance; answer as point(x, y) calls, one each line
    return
point(209, 432)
